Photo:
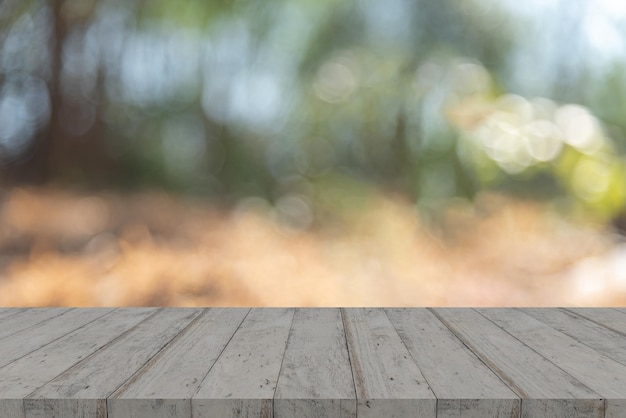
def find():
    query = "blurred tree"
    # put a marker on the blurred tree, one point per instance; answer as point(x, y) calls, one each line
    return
point(236, 98)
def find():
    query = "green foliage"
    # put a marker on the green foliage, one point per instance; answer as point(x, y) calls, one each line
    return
point(340, 95)
point(183, 13)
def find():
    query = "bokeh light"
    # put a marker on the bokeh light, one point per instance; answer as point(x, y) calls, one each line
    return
point(294, 151)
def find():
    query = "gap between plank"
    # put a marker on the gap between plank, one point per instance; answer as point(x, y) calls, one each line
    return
point(413, 358)
point(62, 336)
point(37, 323)
point(345, 337)
point(596, 321)
point(500, 374)
point(538, 353)
point(216, 360)
point(282, 360)
point(97, 351)
point(121, 388)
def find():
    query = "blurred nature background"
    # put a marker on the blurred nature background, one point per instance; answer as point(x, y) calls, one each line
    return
point(312, 152)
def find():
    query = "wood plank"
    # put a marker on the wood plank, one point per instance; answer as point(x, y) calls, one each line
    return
point(618, 406)
point(602, 329)
point(602, 374)
point(37, 368)
point(388, 382)
point(545, 389)
point(243, 380)
point(22, 377)
point(312, 362)
point(612, 319)
point(25, 319)
point(83, 389)
point(315, 379)
point(25, 375)
point(6, 312)
point(37, 336)
point(462, 383)
point(602, 339)
point(165, 385)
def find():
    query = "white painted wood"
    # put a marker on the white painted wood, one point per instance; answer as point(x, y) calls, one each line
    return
point(23, 320)
point(83, 389)
point(315, 379)
point(478, 408)
point(605, 317)
point(602, 374)
point(562, 408)
point(245, 375)
point(64, 407)
point(388, 382)
point(37, 336)
point(545, 389)
point(236, 408)
point(315, 408)
point(25, 375)
point(62, 362)
point(6, 312)
point(601, 339)
point(12, 408)
point(22, 377)
point(462, 383)
point(617, 409)
point(149, 408)
point(165, 385)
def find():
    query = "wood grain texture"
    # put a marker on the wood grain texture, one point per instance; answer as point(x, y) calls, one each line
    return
point(22, 377)
point(245, 375)
point(602, 374)
point(545, 389)
point(7, 312)
point(37, 336)
point(388, 382)
point(312, 362)
point(464, 386)
point(617, 409)
point(602, 339)
point(167, 382)
point(315, 379)
point(149, 408)
point(84, 388)
point(64, 408)
point(12, 408)
point(604, 317)
point(23, 320)
point(233, 408)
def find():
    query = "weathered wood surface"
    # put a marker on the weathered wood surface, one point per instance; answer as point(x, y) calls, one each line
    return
point(602, 374)
point(601, 339)
point(22, 321)
point(244, 377)
point(387, 380)
point(315, 379)
point(457, 377)
point(312, 362)
point(6, 312)
point(545, 389)
point(30, 339)
point(175, 374)
point(82, 390)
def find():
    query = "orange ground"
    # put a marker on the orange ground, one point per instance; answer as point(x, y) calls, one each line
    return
point(60, 248)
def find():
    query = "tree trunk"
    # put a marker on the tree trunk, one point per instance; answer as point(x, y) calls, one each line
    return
point(35, 167)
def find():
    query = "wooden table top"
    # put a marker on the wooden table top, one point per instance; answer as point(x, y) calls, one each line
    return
point(312, 362)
